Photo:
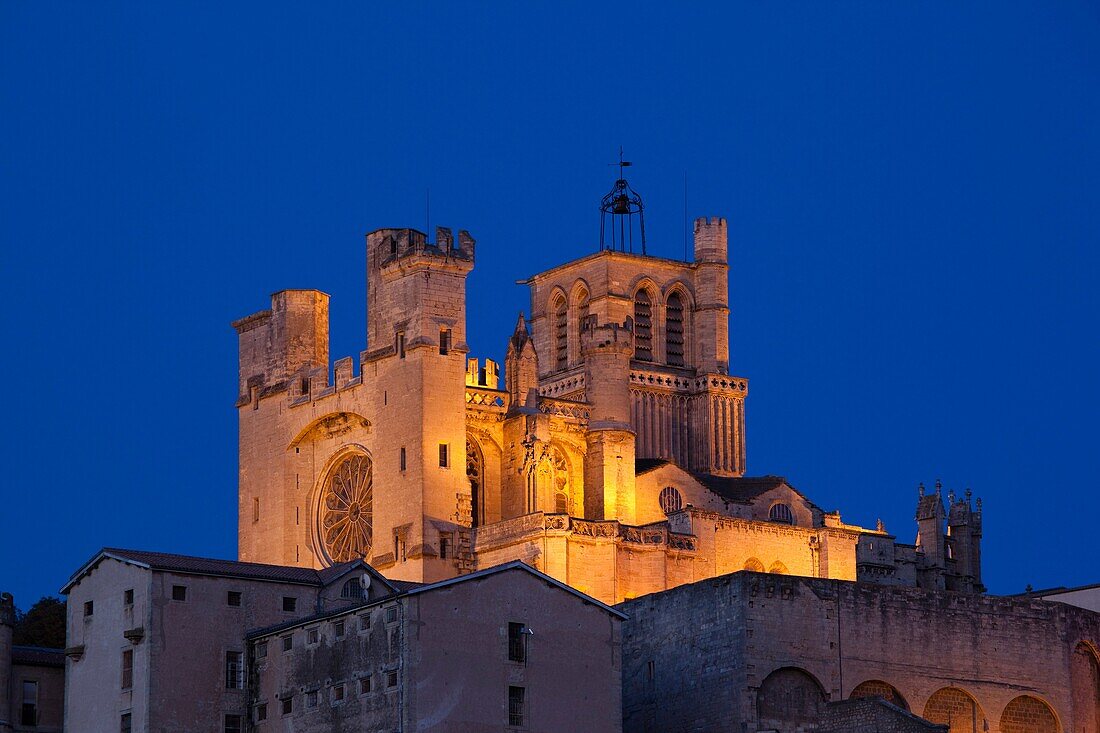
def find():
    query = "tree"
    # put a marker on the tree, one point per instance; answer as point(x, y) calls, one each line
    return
point(41, 625)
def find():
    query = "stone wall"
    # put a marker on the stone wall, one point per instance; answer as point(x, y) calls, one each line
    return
point(699, 656)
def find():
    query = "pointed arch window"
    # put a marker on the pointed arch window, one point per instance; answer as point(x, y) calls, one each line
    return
point(582, 315)
point(643, 326)
point(561, 333)
point(562, 503)
point(674, 330)
point(474, 471)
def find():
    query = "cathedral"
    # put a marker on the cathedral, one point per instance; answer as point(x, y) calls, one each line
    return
point(610, 452)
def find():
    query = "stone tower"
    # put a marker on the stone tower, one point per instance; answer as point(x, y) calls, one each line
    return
point(337, 464)
point(609, 461)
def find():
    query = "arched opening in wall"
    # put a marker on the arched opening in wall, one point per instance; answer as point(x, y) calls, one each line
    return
point(475, 472)
point(1027, 714)
point(1085, 681)
point(778, 568)
point(781, 513)
point(643, 326)
point(674, 330)
point(754, 565)
point(671, 500)
point(878, 688)
point(344, 527)
point(957, 709)
point(561, 331)
point(789, 699)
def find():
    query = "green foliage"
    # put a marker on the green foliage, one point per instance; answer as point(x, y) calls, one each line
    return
point(41, 625)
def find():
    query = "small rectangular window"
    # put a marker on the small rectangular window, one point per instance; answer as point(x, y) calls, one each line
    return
point(338, 629)
point(28, 714)
point(391, 679)
point(517, 642)
point(444, 459)
point(313, 635)
point(256, 509)
point(444, 341)
point(233, 724)
point(261, 712)
point(128, 669)
point(311, 699)
point(364, 685)
point(288, 643)
point(364, 622)
point(444, 547)
point(404, 462)
point(125, 726)
point(288, 705)
point(261, 649)
point(391, 614)
point(89, 608)
point(337, 693)
point(179, 592)
point(290, 604)
point(233, 598)
point(234, 670)
point(400, 344)
point(128, 597)
point(516, 711)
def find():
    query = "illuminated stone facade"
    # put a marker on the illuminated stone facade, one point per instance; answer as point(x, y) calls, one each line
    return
point(611, 455)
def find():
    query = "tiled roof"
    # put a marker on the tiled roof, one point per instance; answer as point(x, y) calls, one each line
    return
point(739, 489)
point(225, 568)
point(38, 656)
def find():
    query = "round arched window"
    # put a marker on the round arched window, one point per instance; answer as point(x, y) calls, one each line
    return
point(781, 513)
point(345, 515)
point(671, 501)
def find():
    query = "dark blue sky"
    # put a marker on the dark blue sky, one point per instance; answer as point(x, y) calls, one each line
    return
point(911, 187)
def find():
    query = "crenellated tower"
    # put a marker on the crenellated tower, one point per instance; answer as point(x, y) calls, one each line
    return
point(370, 463)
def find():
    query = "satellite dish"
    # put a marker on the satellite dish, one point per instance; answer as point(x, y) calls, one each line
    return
point(365, 580)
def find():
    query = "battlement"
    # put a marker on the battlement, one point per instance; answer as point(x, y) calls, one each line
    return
point(390, 245)
point(608, 337)
point(711, 239)
point(487, 376)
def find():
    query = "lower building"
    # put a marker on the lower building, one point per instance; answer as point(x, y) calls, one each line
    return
point(162, 643)
point(755, 652)
point(32, 680)
point(506, 648)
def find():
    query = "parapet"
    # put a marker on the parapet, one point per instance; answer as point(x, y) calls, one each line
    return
point(479, 376)
point(711, 239)
point(387, 245)
point(608, 337)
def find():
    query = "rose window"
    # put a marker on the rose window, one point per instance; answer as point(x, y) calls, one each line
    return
point(346, 515)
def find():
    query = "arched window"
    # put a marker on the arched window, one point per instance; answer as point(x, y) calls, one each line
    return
point(754, 565)
point(674, 330)
point(582, 310)
point(561, 333)
point(345, 510)
point(671, 501)
point(353, 588)
point(778, 568)
point(781, 513)
point(562, 499)
point(643, 326)
point(474, 471)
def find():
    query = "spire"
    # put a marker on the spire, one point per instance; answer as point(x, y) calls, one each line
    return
point(617, 210)
point(520, 335)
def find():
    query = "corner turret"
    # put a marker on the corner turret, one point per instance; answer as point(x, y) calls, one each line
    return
point(712, 292)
